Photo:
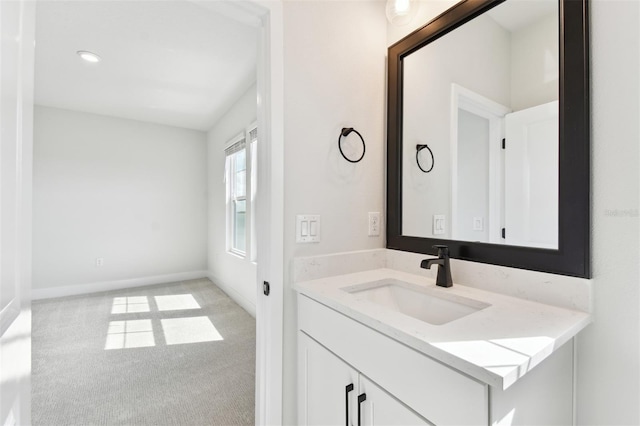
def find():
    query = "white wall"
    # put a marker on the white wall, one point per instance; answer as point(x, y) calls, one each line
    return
point(609, 349)
point(608, 379)
point(535, 63)
point(334, 62)
point(130, 192)
point(235, 275)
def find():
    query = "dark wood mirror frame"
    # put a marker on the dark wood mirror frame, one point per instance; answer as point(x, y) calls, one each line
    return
point(573, 255)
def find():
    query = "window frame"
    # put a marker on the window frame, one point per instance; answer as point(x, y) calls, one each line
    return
point(232, 199)
point(252, 186)
point(250, 194)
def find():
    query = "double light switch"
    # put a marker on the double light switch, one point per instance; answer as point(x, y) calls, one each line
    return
point(307, 228)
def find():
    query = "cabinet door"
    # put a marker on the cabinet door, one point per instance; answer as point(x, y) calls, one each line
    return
point(382, 409)
point(322, 384)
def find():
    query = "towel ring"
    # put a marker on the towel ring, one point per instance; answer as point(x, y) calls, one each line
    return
point(419, 148)
point(345, 132)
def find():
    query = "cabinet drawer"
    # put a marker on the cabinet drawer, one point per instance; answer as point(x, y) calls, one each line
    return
point(439, 393)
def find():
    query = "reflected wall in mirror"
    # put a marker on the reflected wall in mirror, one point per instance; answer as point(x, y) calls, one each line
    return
point(483, 72)
point(494, 78)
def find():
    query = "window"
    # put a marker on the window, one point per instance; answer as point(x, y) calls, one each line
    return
point(241, 178)
point(236, 178)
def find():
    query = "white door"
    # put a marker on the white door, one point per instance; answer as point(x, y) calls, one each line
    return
point(16, 115)
point(382, 409)
point(531, 177)
point(328, 387)
point(269, 213)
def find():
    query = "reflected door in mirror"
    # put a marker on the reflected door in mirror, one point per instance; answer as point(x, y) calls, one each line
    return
point(531, 177)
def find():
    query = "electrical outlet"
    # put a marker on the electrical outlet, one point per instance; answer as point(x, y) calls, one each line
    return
point(374, 224)
point(99, 261)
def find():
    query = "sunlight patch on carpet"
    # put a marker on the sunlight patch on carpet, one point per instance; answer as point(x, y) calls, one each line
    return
point(178, 331)
point(176, 302)
point(128, 305)
point(129, 334)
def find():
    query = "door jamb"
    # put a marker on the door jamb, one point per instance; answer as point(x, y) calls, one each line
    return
point(270, 214)
point(468, 100)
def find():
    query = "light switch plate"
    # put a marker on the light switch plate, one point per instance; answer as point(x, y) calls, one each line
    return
point(439, 224)
point(307, 228)
point(478, 223)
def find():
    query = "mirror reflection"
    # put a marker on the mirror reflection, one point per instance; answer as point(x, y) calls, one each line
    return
point(490, 83)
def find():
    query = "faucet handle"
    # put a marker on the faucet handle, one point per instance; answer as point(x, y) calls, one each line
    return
point(443, 251)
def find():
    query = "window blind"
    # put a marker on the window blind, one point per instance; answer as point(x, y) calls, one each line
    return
point(238, 146)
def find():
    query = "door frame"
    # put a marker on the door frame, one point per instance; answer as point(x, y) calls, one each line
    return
point(267, 17)
point(494, 112)
point(270, 215)
point(16, 140)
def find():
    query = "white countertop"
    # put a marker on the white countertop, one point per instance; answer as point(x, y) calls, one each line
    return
point(496, 345)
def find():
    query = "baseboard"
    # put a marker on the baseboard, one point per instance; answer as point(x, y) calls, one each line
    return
point(74, 290)
point(245, 303)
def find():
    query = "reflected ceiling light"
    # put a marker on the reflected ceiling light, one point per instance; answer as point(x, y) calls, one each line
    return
point(400, 12)
point(89, 56)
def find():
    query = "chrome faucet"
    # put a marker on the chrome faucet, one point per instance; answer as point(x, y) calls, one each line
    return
point(444, 270)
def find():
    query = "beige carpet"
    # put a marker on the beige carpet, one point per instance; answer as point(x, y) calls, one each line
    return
point(174, 354)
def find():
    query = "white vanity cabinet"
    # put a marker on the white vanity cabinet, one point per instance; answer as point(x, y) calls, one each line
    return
point(327, 385)
point(403, 386)
point(381, 409)
point(434, 391)
point(333, 393)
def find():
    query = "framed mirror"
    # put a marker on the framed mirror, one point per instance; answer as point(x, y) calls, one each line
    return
point(488, 135)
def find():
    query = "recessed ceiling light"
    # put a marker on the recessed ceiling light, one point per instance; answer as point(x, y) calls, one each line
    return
point(89, 56)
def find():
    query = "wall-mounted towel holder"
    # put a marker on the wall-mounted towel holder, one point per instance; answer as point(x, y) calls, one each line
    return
point(419, 148)
point(345, 132)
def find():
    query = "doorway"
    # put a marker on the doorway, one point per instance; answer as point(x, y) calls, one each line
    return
point(504, 171)
point(477, 129)
point(270, 310)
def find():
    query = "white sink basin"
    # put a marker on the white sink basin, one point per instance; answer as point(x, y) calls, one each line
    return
point(425, 304)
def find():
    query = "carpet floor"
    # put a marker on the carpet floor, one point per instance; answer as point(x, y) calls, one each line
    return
point(172, 354)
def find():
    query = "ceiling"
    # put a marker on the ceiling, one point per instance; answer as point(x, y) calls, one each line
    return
point(176, 63)
point(513, 15)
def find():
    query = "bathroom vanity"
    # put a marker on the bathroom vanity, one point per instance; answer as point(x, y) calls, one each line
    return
point(491, 158)
point(385, 347)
